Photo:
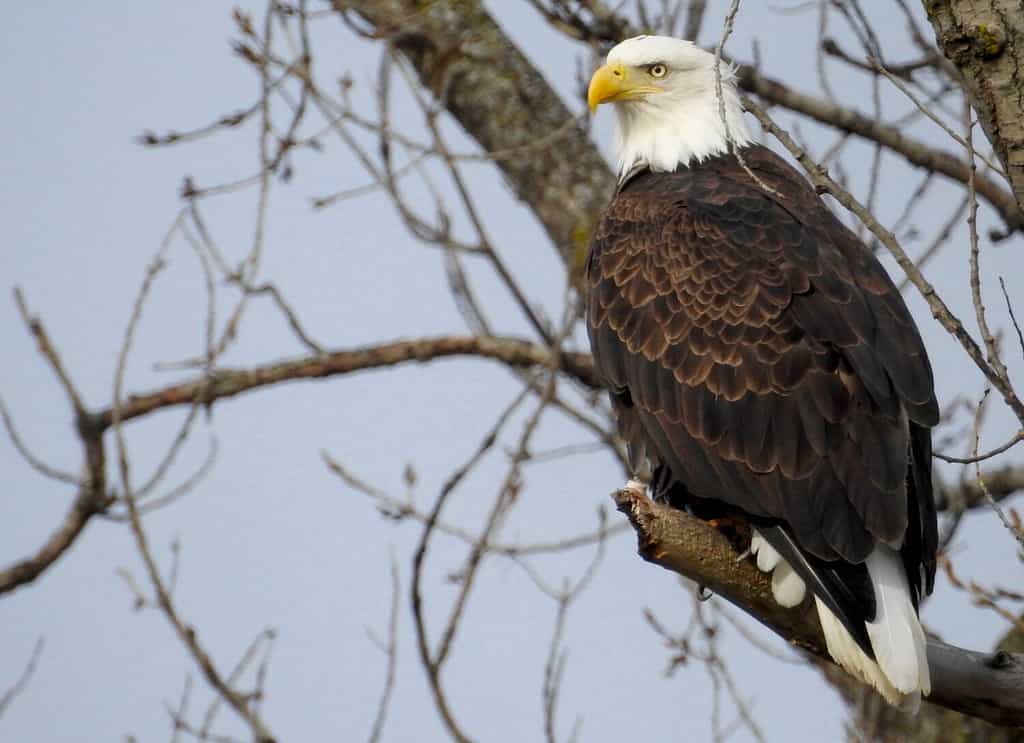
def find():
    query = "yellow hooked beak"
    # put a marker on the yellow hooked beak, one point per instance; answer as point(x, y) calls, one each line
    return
point(616, 82)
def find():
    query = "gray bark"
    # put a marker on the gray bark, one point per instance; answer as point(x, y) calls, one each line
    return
point(985, 40)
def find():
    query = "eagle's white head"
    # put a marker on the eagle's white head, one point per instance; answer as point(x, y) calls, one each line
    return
point(666, 104)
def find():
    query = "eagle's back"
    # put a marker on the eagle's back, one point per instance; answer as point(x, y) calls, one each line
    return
point(759, 353)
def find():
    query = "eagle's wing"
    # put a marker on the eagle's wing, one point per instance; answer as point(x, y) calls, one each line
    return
point(757, 349)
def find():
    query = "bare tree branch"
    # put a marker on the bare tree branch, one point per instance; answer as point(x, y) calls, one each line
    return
point(224, 383)
point(84, 507)
point(92, 497)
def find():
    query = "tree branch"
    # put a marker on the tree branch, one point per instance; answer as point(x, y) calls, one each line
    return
point(224, 383)
point(988, 686)
point(218, 384)
point(85, 506)
point(92, 495)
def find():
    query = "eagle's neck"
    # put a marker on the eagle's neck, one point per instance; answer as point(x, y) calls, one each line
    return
point(664, 134)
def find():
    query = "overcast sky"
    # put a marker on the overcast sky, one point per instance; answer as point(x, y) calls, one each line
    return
point(271, 538)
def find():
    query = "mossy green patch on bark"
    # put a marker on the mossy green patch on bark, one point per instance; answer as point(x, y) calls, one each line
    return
point(989, 41)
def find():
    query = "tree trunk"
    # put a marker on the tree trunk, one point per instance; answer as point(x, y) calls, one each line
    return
point(985, 40)
point(470, 66)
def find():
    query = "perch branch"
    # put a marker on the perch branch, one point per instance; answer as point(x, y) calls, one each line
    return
point(989, 686)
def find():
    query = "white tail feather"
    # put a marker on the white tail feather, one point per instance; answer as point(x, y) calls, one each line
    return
point(847, 653)
point(896, 634)
point(900, 671)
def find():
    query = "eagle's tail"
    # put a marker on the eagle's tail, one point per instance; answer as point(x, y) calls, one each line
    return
point(899, 670)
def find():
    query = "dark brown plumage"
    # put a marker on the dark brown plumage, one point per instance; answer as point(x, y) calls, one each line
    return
point(759, 356)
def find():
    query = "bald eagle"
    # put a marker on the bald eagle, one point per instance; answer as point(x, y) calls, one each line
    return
point(761, 362)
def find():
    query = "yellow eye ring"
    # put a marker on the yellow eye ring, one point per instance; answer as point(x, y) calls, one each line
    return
point(657, 70)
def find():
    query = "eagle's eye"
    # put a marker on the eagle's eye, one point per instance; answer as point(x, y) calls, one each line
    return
point(657, 70)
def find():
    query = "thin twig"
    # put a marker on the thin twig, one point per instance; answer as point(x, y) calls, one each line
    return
point(48, 352)
point(1015, 530)
point(994, 358)
point(179, 716)
point(1010, 443)
point(26, 675)
point(727, 27)
point(391, 650)
point(427, 657)
point(965, 143)
point(1013, 317)
point(397, 509)
point(33, 461)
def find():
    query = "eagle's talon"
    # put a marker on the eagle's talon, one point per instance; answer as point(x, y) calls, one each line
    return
point(635, 486)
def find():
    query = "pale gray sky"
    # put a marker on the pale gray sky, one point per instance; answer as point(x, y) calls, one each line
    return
point(270, 538)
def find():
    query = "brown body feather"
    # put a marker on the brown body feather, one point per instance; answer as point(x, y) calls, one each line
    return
point(760, 354)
